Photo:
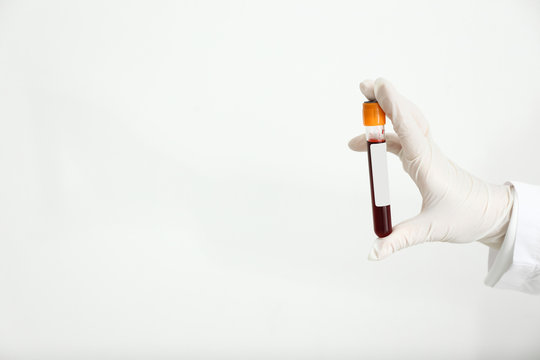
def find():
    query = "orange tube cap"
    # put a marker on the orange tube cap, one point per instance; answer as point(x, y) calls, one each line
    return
point(373, 114)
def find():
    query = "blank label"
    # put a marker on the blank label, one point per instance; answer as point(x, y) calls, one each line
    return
point(379, 171)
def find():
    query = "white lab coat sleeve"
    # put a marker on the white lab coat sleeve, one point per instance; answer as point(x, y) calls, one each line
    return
point(516, 265)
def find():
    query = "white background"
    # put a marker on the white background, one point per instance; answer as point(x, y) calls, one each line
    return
point(175, 180)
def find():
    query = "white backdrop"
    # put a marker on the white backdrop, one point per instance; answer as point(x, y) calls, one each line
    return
point(175, 180)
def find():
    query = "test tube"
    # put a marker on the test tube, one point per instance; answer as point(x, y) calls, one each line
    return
point(374, 121)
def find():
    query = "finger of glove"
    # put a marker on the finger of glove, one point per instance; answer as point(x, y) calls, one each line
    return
point(419, 117)
point(403, 119)
point(408, 233)
point(393, 144)
point(367, 88)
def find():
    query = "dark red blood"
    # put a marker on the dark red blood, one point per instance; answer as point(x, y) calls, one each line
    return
point(382, 221)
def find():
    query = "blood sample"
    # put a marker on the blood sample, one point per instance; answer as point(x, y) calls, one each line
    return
point(374, 121)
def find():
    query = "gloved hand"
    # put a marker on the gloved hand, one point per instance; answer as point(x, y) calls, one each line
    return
point(457, 207)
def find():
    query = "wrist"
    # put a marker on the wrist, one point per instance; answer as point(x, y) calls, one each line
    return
point(503, 203)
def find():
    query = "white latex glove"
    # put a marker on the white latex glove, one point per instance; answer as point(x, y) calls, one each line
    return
point(457, 207)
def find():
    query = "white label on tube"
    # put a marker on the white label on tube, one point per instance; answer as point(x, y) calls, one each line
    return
point(379, 171)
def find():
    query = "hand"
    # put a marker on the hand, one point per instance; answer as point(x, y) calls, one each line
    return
point(456, 206)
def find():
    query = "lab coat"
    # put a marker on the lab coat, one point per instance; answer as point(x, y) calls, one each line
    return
point(516, 265)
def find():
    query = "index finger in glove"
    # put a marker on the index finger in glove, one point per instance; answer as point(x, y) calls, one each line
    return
point(407, 120)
